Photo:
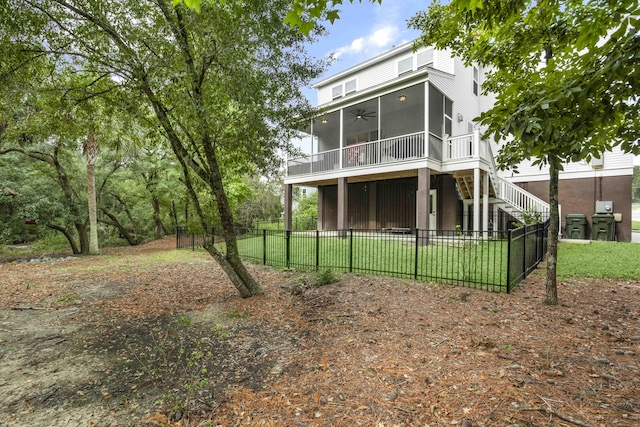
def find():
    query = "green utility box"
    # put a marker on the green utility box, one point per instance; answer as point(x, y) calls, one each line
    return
point(603, 227)
point(576, 226)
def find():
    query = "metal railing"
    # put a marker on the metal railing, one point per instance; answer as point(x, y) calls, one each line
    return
point(497, 263)
point(186, 239)
point(527, 247)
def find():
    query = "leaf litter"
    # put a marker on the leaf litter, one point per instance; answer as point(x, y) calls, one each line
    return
point(149, 336)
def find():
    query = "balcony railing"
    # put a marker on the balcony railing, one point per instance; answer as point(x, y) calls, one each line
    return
point(387, 150)
point(390, 150)
point(314, 163)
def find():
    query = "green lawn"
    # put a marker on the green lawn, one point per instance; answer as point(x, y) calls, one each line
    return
point(481, 264)
point(613, 260)
point(635, 225)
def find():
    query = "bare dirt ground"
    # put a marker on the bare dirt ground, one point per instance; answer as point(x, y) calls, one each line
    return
point(152, 336)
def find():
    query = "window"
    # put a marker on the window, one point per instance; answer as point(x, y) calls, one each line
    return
point(350, 87)
point(476, 79)
point(425, 58)
point(405, 66)
point(448, 113)
point(469, 127)
point(336, 92)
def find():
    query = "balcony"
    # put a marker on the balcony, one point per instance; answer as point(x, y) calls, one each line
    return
point(391, 150)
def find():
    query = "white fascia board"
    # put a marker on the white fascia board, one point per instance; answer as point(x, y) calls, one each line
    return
point(363, 171)
point(568, 175)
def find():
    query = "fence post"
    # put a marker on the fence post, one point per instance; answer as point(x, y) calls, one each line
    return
point(524, 254)
point(317, 250)
point(415, 266)
point(540, 236)
point(193, 242)
point(287, 234)
point(509, 238)
point(264, 246)
point(350, 250)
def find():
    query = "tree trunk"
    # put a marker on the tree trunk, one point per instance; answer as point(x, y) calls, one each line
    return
point(83, 237)
point(552, 256)
point(174, 216)
point(91, 152)
point(242, 279)
point(157, 221)
point(70, 196)
point(231, 263)
point(125, 207)
point(229, 269)
point(68, 236)
point(67, 190)
point(133, 241)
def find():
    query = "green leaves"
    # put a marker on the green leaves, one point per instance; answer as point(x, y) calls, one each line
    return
point(305, 14)
point(560, 73)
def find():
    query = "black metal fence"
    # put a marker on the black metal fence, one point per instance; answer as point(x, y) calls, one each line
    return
point(495, 261)
point(193, 240)
point(527, 248)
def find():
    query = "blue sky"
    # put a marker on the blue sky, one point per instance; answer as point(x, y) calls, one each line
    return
point(365, 30)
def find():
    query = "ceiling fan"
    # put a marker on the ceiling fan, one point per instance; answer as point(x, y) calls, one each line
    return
point(362, 114)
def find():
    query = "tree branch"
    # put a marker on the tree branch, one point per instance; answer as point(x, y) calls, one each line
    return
point(555, 414)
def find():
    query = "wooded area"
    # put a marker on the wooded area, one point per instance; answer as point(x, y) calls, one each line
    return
point(141, 126)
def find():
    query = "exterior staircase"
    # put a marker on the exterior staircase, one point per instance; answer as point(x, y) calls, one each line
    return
point(503, 195)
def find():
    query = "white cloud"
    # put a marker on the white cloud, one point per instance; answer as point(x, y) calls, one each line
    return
point(379, 39)
point(383, 37)
point(356, 46)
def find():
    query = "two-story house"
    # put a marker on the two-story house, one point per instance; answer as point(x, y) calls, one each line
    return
point(397, 148)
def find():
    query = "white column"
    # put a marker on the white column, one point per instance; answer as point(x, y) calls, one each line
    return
point(476, 200)
point(476, 143)
point(485, 204)
point(426, 119)
point(341, 138)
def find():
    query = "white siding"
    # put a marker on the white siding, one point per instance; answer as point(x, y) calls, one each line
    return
point(385, 71)
point(616, 163)
point(486, 101)
point(443, 61)
point(369, 77)
point(456, 81)
point(459, 89)
point(380, 73)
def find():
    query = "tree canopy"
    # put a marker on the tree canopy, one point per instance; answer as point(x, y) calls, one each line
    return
point(303, 14)
point(564, 73)
point(222, 86)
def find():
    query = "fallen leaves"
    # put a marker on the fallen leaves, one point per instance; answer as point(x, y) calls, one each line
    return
point(364, 351)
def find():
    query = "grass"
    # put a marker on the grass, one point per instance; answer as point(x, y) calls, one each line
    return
point(635, 225)
point(482, 264)
point(599, 260)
